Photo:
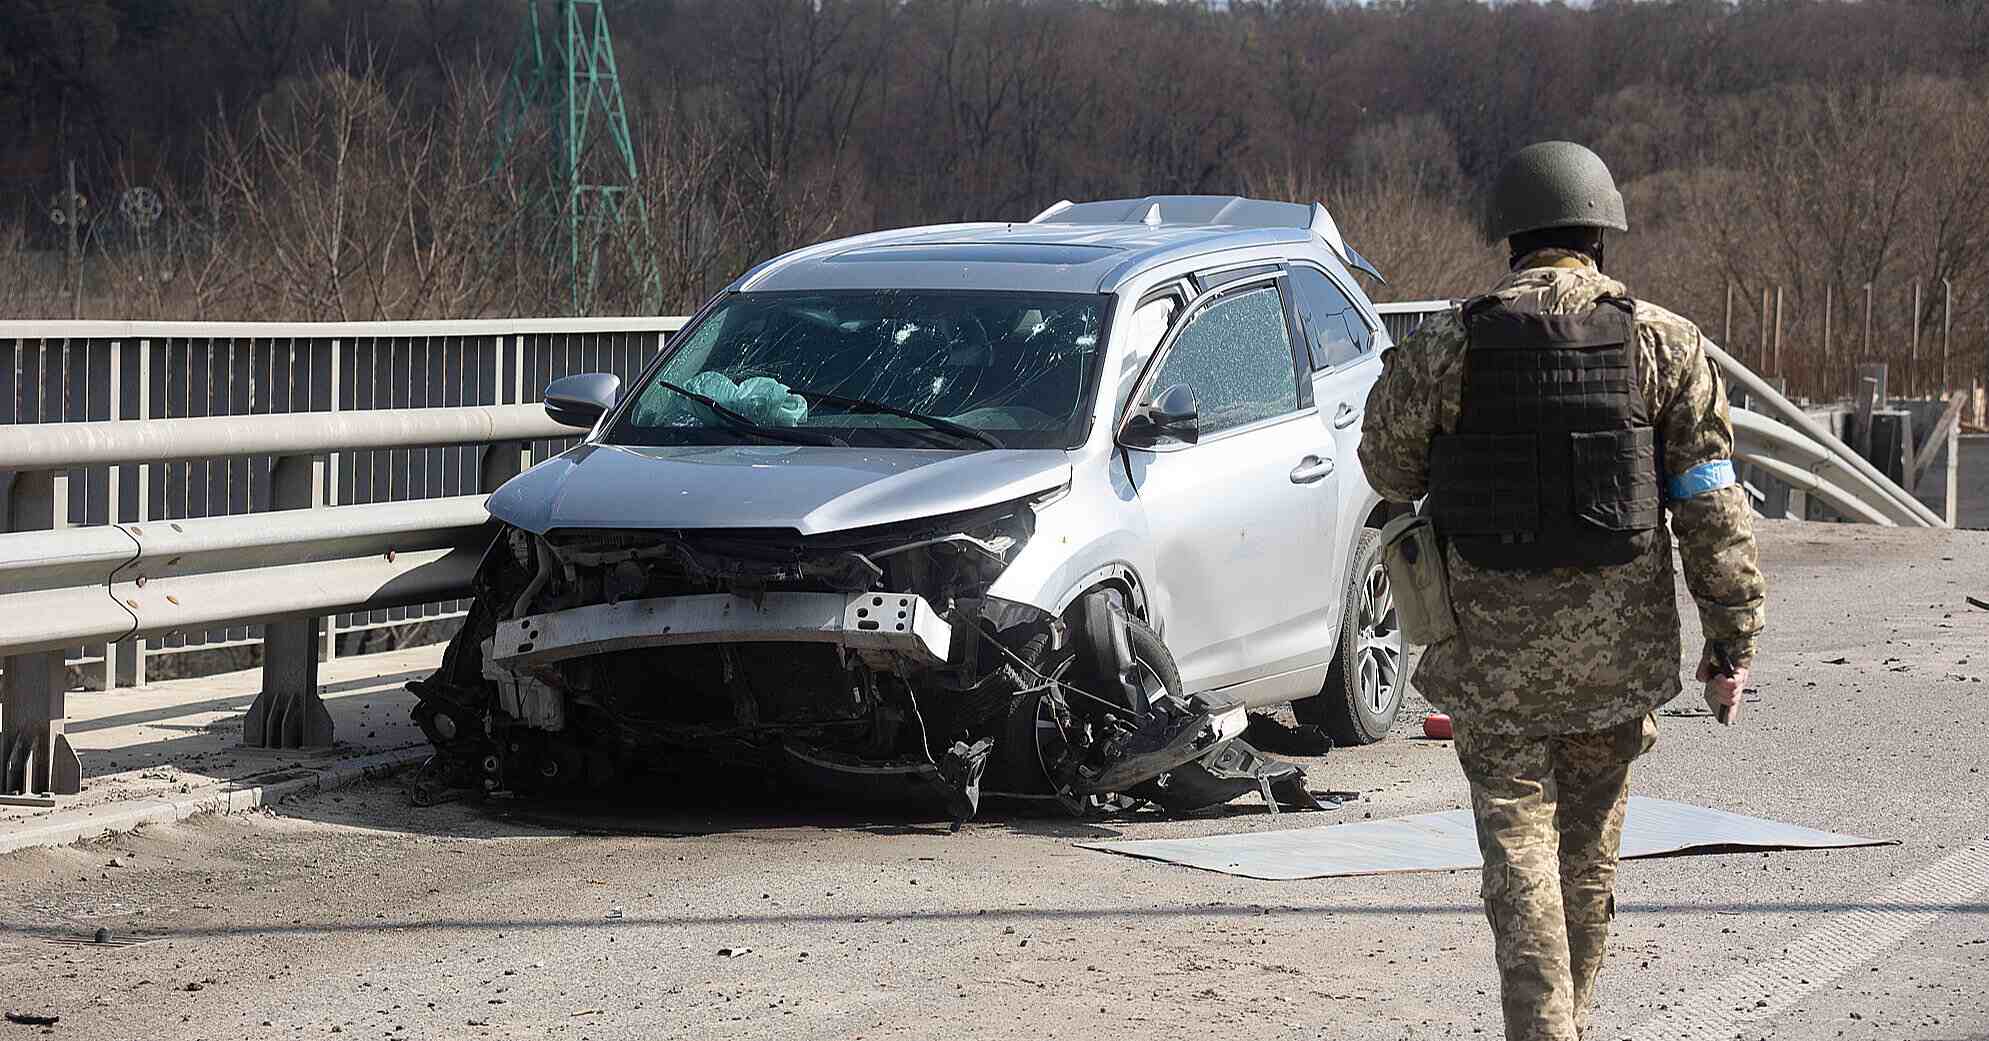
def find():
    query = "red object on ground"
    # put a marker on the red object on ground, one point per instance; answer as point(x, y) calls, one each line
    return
point(1436, 725)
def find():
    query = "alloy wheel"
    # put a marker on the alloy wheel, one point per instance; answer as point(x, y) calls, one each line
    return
point(1379, 651)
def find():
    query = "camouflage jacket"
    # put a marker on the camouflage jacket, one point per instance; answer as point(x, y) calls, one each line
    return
point(1576, 650)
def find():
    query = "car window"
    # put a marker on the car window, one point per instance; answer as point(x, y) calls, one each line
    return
point(849, 365)
point(1236, 356)
point(1334, 332)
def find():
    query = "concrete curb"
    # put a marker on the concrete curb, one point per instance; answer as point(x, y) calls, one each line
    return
point(62, 829)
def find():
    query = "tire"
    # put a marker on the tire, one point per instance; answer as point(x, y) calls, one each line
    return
point(1364, 685)
point(1016, 765)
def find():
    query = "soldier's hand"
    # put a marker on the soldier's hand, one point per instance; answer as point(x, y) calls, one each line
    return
point(1722, 690)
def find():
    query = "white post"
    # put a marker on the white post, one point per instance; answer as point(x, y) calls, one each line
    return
point(1954, 472)
point(114, 653)
point(331, 497)
point(144, 513)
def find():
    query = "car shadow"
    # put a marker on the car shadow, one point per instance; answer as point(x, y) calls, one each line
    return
point(385, 804)
point(658, 819)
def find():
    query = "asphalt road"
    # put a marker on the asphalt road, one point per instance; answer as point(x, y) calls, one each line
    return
point(356, 914)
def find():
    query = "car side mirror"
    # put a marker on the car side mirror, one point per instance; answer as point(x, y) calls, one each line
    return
point(581, 399)
point(1175, 413)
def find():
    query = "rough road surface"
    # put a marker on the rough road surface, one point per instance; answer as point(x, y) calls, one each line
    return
point(357, 914)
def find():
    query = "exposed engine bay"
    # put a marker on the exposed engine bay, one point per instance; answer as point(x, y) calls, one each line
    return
point(869, 665)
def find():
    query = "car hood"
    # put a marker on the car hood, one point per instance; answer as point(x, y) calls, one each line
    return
point(807, 488)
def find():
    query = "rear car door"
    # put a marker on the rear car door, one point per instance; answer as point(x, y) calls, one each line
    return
point(1340, 349)
point(1236, 518)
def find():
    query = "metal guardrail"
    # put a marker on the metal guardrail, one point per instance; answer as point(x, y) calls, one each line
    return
point(1803, 443)
point(238, 419)
point(60, 588)
point(63, 588)
point(1402, 318)
point(96, 373)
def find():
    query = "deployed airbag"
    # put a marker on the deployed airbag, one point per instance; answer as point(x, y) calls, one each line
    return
point(762, 399)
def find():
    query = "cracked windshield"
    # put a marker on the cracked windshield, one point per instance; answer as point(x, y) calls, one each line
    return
point(962, 370)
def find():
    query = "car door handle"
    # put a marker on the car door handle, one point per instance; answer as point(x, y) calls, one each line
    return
point(1310, 469)
point(1345, 417)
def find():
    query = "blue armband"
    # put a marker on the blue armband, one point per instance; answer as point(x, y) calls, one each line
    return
point(1706, 477)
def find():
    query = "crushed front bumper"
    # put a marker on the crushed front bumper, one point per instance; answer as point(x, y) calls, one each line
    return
point(897, 623)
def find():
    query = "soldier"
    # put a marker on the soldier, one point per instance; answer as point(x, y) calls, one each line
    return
point(1552, 422)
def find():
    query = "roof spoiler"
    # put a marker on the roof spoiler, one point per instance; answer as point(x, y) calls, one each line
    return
point(1324, 227)
point(1055, 208)
point(1156, 210)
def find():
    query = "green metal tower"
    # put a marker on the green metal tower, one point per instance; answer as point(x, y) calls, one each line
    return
point(564, 72)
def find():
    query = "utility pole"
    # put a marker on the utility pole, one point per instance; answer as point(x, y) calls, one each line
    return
point(1761, 349)
point(1726, 330)
point(1826, 326)
point(75, 255)
point(1947, 329)
point(1776, 365)
point(1867, 350)
point(565, 69)
point(1913, 359)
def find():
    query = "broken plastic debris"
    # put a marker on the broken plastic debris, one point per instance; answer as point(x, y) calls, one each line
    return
point(1274, 735)
point(734, 952)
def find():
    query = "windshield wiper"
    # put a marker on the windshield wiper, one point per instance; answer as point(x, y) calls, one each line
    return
point(863, 405)
point(741, 421)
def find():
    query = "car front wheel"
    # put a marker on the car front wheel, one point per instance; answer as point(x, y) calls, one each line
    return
point(1364, 686)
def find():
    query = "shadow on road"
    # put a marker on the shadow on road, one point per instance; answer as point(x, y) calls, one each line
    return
point(680, 811)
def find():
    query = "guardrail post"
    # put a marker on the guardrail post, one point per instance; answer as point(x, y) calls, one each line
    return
point(35, 755)
point(501, 461)
point(288, 712)
point(130, 670)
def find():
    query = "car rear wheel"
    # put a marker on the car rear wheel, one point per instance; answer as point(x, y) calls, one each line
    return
point(1364, 685)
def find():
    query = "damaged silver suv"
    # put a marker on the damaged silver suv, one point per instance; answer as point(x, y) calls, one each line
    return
point(1031, 511)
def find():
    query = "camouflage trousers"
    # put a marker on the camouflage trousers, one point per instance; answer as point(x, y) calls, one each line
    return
point(1550, 818)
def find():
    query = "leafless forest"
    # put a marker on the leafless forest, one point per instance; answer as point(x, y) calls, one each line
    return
point(333, 159)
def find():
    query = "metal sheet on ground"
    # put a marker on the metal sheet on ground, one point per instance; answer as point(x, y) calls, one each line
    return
point(1448, 842)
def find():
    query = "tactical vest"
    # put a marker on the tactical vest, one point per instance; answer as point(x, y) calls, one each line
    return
point(1554, 462)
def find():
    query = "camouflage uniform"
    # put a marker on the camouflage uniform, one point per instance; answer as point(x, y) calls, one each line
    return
point(1553, 676)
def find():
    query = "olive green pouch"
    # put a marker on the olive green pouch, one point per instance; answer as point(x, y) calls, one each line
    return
point(1414, 559)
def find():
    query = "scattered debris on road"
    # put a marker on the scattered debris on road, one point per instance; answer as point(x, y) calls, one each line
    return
point(1275, 735)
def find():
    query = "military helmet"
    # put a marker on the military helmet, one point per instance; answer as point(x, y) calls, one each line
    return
point(1553, 184)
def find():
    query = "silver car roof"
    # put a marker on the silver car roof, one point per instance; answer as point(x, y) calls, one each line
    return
point(1091, 247)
